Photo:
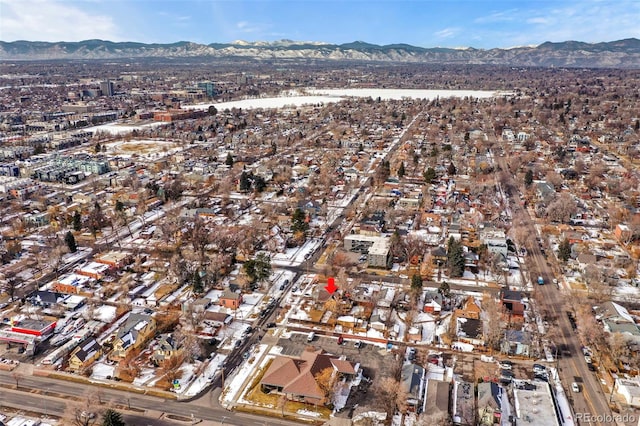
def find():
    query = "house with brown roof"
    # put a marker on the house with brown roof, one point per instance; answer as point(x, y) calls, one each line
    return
point(296, 378)
point(470, 309)
point(512, 305)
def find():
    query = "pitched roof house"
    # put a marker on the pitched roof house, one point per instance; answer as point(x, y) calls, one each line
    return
point(84, 355)
point(489, 403)
point(412, 381)
point(136, 330)
point(167, 346)
point(296, 377)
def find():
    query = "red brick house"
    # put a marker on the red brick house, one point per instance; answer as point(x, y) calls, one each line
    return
point(230, 300)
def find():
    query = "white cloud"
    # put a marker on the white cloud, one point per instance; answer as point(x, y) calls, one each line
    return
point(503, 16)
point(52, 20)
point(590, 21)
point(582, 20)
point(447, 32)
point(539, 21)
point(248, 27)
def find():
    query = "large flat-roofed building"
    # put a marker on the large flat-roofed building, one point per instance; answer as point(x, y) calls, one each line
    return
point(34, 327)
point(377, 248)
point(534, 404)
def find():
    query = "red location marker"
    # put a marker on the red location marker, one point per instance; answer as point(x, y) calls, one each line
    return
point(331, 285)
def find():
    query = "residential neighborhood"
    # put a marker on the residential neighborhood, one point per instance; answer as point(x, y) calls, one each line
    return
point(466, 256)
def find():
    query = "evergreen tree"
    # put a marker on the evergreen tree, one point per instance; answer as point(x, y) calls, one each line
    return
point(528, 178)
point(71, 242)
point(229, 160)
point(112, 418)
point(258, 269)
point(455, 258)
point(564, 250)
point(429, 175)
point(451, 170)
point(196, 284)
point(259, 184)
point(245, 182)
point(298, 221)
point(77, 221)
point(416, 283)
point(119, 206)
point(401, 170)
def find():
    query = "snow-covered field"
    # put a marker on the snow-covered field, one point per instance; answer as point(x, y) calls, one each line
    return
point(121, 129)
point(324, 96)
point(397, 94)
point(278, 102)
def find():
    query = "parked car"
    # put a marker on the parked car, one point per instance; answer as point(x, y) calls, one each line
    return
point(358, 344)
point(311, 336)
point(543, 377)
point(411, 354)
point(506, 365)
point(340, 340)
point(587, 358)
point(539, 368)
point(591, 367)
point(506, 373)
point(271, 324)
point(575, 387)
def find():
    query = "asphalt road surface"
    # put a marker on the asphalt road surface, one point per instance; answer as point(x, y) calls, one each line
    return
point(144, 408)
point(572, 366)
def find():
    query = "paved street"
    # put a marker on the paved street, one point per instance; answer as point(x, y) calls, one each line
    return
point(139, 406)
point(572, 368)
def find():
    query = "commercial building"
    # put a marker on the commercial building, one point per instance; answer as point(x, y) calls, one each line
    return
point(375, 247)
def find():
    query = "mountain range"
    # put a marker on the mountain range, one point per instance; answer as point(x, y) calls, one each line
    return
point(615, 54)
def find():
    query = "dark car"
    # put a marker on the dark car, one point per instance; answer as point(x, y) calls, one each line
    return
point(543, 377)
point(591, 367)
point(271, 324)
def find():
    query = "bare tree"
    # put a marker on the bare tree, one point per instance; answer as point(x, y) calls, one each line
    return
point(562, 208)
point(618, 347)
point(17, 376)
point(493, 323)
point(327, 382)
point(391, 395)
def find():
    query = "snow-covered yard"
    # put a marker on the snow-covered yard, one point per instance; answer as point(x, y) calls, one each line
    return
point(296, 255)
point(236, 380)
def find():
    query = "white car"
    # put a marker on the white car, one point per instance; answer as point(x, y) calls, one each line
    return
point(575, 387)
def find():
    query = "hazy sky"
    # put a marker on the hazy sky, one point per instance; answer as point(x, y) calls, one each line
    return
point(427, 23)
